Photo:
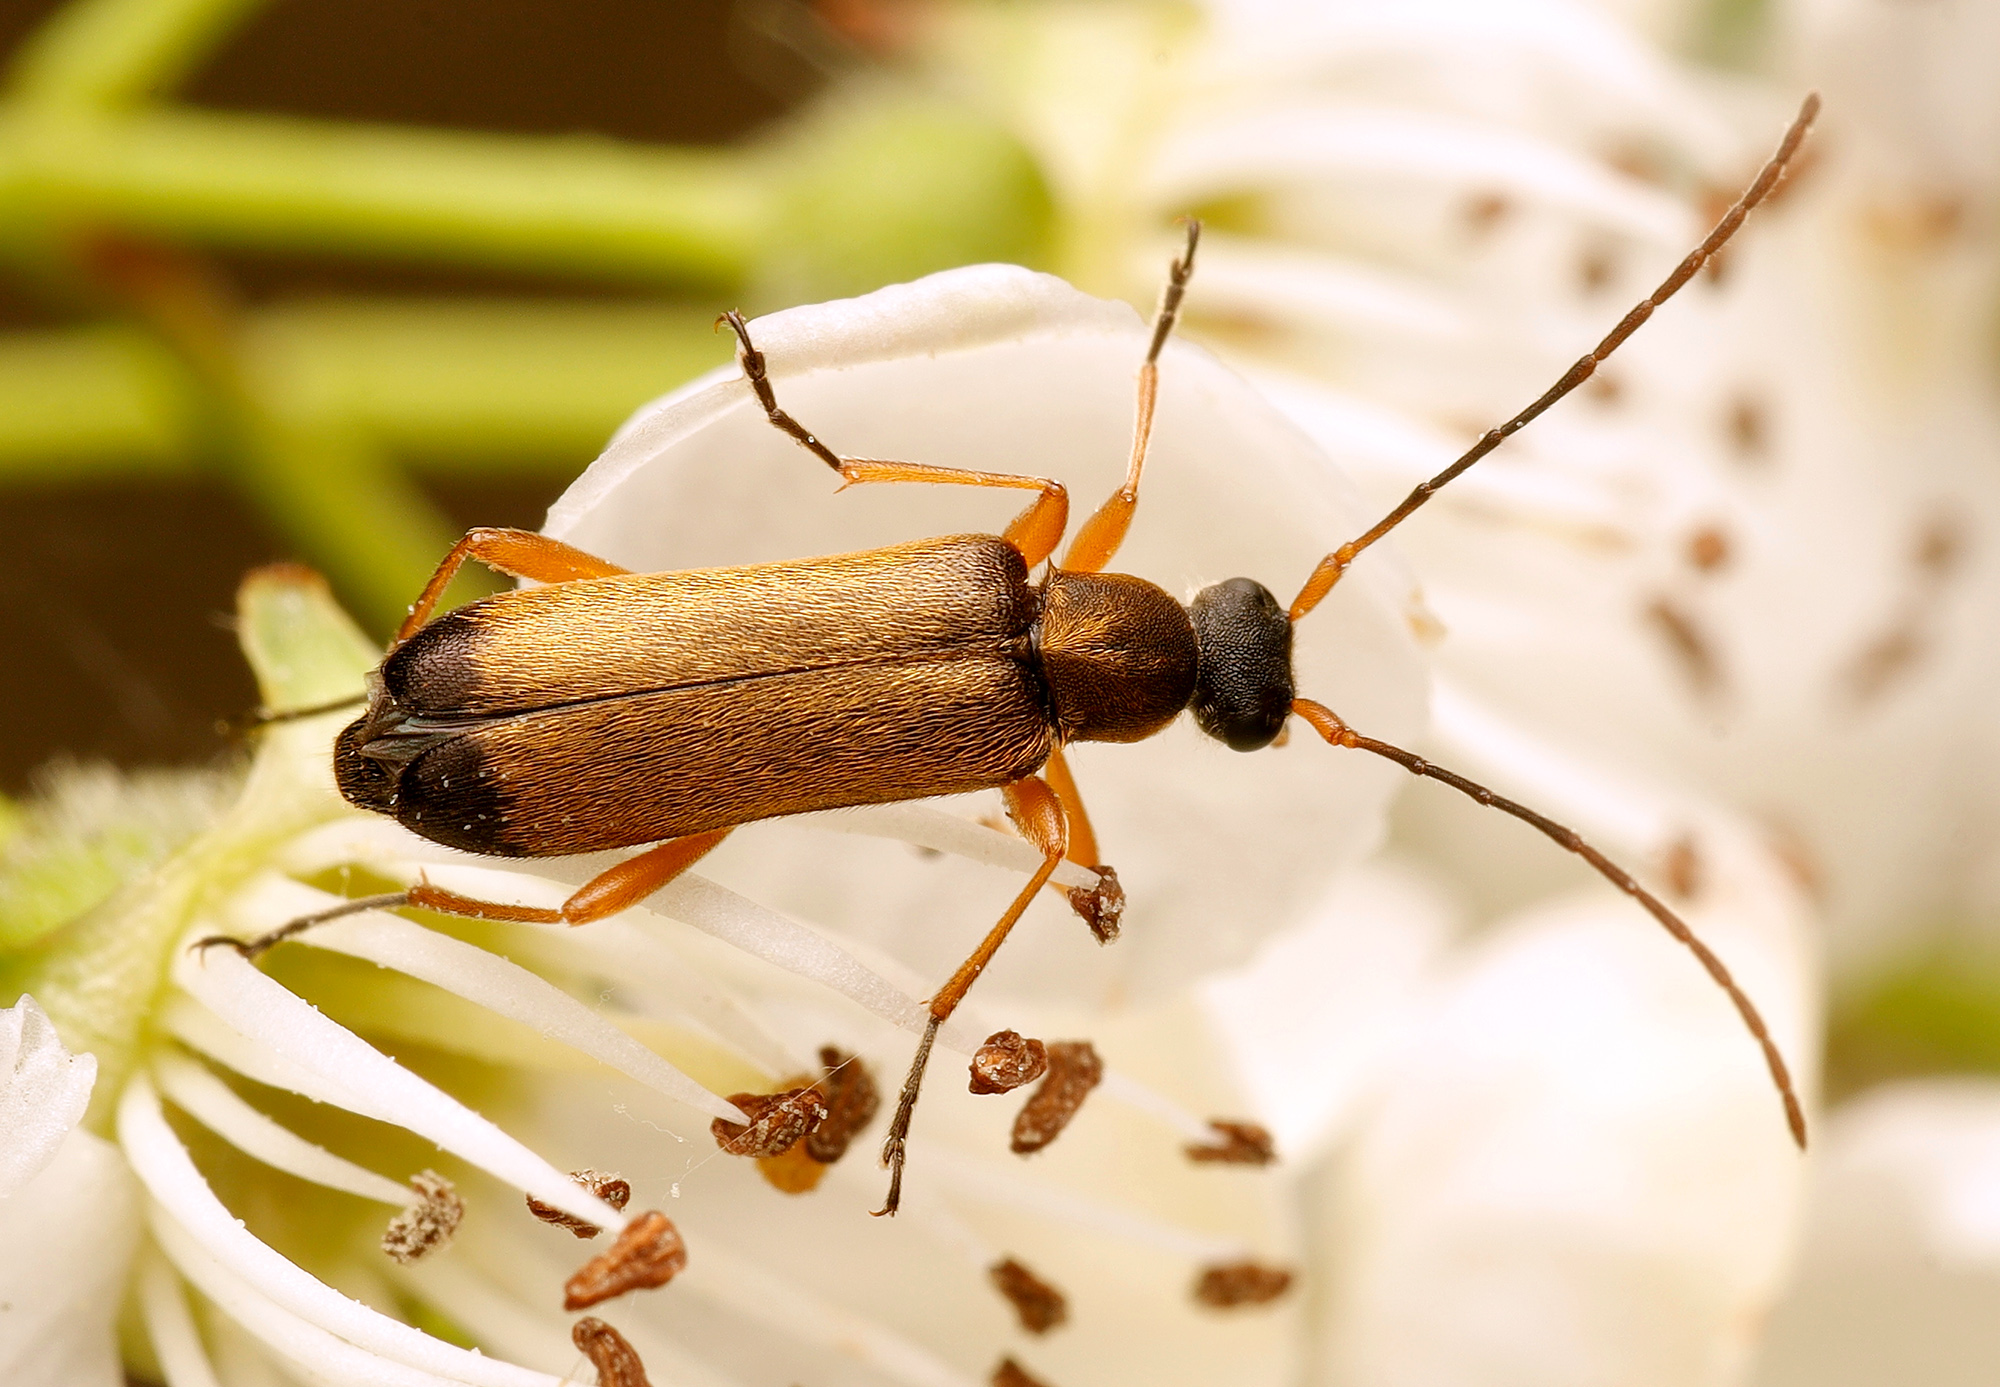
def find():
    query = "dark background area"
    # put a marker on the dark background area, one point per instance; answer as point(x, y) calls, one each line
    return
point(114, 598)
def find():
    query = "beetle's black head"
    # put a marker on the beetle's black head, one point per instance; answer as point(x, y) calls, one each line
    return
point(1243, 674)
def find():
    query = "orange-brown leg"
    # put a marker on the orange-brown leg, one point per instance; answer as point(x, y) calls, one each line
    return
point(1036, 531)
point(1327, 723)
point(1101, 906)
point(1036, 811)
point(605, 894)
point(516, 553)
point(1097, 542)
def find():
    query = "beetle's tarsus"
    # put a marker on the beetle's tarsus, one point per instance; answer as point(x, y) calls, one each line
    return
point(894, 1146)
point(252, 948)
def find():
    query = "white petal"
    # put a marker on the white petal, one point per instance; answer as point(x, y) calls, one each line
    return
point(66, 1237)
point(485, 979)
point(364, 1080)
point(43, 1092)
point(1900, 1267)
point(278, 1301)
point(1579, 1173)
point(171, 1328)
point(216, 1106)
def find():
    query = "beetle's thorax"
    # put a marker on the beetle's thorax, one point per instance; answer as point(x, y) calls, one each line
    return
point(1116, 653)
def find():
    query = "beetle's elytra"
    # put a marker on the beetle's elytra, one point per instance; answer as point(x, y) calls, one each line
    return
point(609, 709)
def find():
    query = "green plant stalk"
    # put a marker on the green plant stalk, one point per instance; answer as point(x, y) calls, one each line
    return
point(112, 53)
point(583, 206)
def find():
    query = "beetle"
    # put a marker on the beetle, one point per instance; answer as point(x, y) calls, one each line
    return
point(608, 709)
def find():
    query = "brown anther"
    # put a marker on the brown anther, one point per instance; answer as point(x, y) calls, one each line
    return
point(1484, 212)
point(1242, 1143)
point(1074, 1070)
point(1596, 268)
point(1682, 867)
point(426, 1225)
point(609, 1188)
point(1941, 543)
point(777, 1122)
point(1040, 1306)
point(1749, 428)
point(851, 1103)
point(1006, 1061)
point(616, 1361)
point(1234, 1284)
point(1708, 548)
point(1690, 645)
point(648, 1253)
point(1102, 906)
point(1012, 1374)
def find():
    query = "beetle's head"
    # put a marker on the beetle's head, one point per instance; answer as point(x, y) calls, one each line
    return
point(1243, 676)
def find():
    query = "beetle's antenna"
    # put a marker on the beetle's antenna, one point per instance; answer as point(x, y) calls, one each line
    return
point(1333, 565)
point(1325, 722)
point(264, 717)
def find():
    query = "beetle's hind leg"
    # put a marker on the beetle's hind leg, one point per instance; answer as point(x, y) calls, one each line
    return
point(1036, 811)
point(605, 894)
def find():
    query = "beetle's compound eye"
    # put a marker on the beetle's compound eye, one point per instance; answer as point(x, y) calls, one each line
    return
point(1243, 684)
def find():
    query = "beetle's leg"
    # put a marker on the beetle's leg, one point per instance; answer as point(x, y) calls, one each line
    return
point(1036, 811)
point(1327, 723)
point(516, 553)
point(1082, 840)
point(1098, 540)
point(1100, 906)
point(607, 893)
point(1036, 531)
point(752, 362)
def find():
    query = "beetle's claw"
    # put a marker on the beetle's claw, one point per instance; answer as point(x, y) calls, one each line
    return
point(248, 948)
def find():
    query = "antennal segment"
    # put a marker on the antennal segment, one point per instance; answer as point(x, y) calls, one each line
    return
point(1333, 565)
point(1325, 722)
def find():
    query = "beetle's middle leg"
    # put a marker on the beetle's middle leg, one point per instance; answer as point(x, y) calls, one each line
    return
point(1036, 531)
point(516, 553)
point(1036, 811)
point(605, 894)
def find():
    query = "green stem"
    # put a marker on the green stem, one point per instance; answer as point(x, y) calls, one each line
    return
point(576, 205)
point(113, 53)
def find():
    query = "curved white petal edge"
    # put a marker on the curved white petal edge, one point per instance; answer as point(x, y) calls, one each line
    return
point(44, 1090)
point(67, 1218)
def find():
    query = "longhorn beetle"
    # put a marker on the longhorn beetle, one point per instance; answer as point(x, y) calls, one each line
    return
point(611, 709)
